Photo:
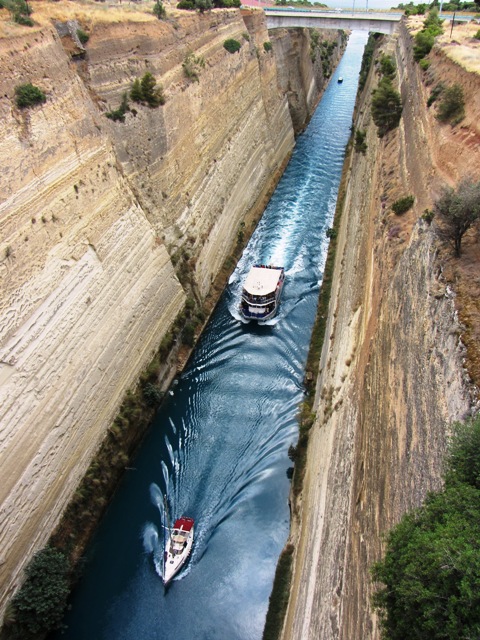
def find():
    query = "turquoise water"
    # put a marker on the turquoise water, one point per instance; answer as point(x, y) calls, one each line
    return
point(219, 445)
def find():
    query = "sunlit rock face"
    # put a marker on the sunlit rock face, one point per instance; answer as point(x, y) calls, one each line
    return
point(92, 212)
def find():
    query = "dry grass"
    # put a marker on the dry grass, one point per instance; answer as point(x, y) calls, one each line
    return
point(87, 12)
point(461, 46)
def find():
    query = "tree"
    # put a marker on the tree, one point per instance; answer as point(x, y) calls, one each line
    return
point(40, 604)
point(152, 95)
point(232, 45)
point(463, 460)
point(458, 210)
point(28, 95)
point(146, 90)
point(136, 91)
point(203, 5)
point(452, 106)
point(386, 107)
point(430, 573)
point(159, 10)
point(431, 570)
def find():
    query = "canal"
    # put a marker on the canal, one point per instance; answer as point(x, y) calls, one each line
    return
point(218, 446)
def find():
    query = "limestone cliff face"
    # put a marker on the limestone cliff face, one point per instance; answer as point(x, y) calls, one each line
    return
point(91, 214)
point(87, 291)
point(392, 375)
point(306, 69)
point(200, 162)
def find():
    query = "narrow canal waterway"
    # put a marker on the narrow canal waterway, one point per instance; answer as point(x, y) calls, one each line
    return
point(219, 445)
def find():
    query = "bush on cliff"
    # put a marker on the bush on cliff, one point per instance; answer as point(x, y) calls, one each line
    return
point(20, 11)
point(192, 66)
point(159, 10)
point(386, 107)
point(431, 568)
point(360, 143)
point(203, 5)
point(231, 45)
point(451, 108)
point(39, 605)
point(118, 115)
point(28, 95)
point(425, 39)
point(388, 68)
point(145, 90)
point(367, 59)
point(402, 205)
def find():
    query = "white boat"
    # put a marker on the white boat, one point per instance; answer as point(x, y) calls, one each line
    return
point(261, 292)
point(178, 545)
point(340, 80)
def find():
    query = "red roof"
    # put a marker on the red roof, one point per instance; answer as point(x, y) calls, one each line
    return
point(183, 523)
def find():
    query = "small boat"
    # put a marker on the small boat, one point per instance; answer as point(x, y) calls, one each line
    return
point(178, 545)
point(261, 292)
point(340, 80)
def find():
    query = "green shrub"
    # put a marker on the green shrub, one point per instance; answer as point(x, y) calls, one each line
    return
point(436, 92)
point(278, 601)
point(360, 144)
point(40, 603)
point(189, 5)
point(203, 5)
point(331, 233)
point(429, 574)
point(387, 66)
point(452, 105)
point(428, 215)
point(192, 66)
point(386, 107)
point(28, 95)
point(82, 36)
point(477, 35)
point(159, 10)
point(403, 205)
point(19, 10)
point(118, 115)
point(367, 59)
point(424, 64)
point(424, 42)
point(19, 18)
point(144, 90)
point(188, 334)
point(267, 46)
point(231, 45)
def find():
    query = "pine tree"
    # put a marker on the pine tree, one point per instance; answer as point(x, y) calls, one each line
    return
point(136, 93)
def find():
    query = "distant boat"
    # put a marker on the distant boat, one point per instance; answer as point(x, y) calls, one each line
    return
point(261, 292)
point(340, 80)
point(177, 545)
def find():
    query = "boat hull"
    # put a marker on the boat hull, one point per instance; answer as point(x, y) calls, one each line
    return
point(176, 552)
point(263, 306)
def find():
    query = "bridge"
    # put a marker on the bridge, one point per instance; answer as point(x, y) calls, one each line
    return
point(348, 20)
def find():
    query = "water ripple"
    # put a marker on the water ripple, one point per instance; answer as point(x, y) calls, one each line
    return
point(219, 446)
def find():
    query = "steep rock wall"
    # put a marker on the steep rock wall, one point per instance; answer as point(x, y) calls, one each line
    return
point(87, 291)
point(392, 373)
point(91, 213)
point(305, 71)
point(200, 162)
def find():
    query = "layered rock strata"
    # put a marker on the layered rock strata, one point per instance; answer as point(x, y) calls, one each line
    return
point(392, 375)
point(93, 217)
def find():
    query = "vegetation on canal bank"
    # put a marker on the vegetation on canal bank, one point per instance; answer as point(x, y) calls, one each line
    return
point(427, 582)
point(279, 597)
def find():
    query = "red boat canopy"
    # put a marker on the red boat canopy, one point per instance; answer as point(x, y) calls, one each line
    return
point(184, 524)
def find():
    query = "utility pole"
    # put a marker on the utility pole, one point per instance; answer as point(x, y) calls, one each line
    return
point(453, 22)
